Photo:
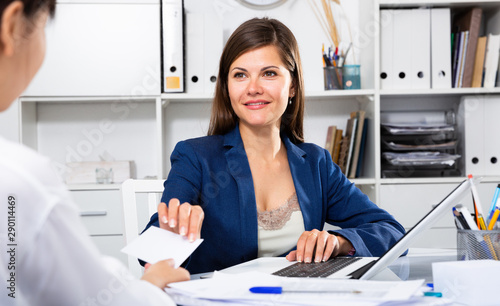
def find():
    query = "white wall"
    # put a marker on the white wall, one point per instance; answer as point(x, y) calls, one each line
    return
point(9, 123)
point(300, 18)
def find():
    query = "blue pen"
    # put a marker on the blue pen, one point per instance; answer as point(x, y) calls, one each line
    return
point(494, 202)
point(280, 290)
point(432, 293)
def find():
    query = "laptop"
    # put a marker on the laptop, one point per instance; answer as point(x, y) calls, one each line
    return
point(356, 267)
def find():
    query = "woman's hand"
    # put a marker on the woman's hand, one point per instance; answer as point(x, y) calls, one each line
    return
point(163, 273)
point(319, 246)
point(185, 219)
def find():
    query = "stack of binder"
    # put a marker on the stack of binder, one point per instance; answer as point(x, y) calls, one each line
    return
point(421, 147)
point(477, 120)
point(192, 46)
point(415, 49)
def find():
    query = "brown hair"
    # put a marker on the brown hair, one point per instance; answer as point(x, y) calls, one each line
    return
point(253, 34)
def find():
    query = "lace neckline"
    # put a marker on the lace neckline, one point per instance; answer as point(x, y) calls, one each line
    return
point(277, 218)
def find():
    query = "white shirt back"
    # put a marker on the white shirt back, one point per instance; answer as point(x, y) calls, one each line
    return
point(46, 255)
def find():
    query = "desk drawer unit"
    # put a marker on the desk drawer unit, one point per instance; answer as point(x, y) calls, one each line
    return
point(101, 211)
point(102, 214)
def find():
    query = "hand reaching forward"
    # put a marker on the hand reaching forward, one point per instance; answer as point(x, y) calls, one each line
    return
point(319, 246)
point(185, 219)
point(163, 273)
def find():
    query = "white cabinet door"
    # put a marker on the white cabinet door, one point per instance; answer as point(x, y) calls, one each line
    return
point(101, 50)
point(409, 203)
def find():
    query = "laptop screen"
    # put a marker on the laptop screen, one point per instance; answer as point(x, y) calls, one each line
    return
point(425, 223)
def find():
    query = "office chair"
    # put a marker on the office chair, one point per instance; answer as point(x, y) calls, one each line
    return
point(130, 190)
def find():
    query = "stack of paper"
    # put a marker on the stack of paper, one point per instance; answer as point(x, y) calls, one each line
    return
point(235, 288)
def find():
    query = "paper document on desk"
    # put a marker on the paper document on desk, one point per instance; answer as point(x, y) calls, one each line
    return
point(234, 288)
point(157, 244)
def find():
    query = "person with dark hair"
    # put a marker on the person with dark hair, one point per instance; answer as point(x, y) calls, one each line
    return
point(263, 190)
point(47, 257)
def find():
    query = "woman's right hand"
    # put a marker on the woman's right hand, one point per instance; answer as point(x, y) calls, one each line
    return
point(185, 219)
point(163, 273)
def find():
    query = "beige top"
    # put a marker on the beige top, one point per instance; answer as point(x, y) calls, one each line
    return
point(279, 229)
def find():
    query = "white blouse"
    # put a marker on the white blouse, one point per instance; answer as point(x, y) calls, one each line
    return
point(280, 229)
point(53, 260)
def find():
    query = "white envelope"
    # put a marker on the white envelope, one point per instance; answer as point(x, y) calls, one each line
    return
point(157, 244)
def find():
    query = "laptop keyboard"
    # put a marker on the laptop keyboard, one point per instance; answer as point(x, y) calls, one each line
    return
point(316, 269)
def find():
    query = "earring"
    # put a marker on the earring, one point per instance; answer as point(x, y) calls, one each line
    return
point(290, 101)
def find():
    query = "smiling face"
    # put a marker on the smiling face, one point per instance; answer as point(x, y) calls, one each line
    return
point(259, 87)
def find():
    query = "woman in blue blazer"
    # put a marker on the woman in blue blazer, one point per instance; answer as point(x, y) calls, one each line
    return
point(254, 184)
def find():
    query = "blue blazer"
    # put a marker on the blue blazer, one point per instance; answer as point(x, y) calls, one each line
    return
point(214, 172)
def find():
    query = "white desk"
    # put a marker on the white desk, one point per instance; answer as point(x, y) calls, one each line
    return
point(417, 265)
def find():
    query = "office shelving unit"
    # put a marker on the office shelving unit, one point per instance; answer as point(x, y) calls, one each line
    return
point(394, 191)
point(68, 99)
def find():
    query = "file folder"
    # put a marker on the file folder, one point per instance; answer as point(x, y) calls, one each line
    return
point(213, 45)
point(440, 48)
point(194, 52)
point(480, 146)
point(402, 49)
point(470, 114)
point(386, 49)
point(491, 131)
point(173, 45)
point(420, 73)
point(204, 43)
point(491, 60)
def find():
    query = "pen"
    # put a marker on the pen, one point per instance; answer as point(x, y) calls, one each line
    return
point(467, 217)
point(323, 52)
point(477, 204)
point(494, 202)
point(327, 61)
point(460, 221)
point(280, 290)
point(494, 219)
point(432, 293)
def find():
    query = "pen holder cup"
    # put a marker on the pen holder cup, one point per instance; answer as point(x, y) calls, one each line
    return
point(351, 75)
point(332, 77)
point(475, 244)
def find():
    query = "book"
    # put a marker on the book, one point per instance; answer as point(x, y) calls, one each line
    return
point(359, 167)
point(491, 60)
point(469, 21)
point(477, 75)
point(330, 138)
point(345, 146)
point(336, 146)
point(461, 60)
point(354, 126)
point(456, 47)
point(497, 83)
point(360, 119)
